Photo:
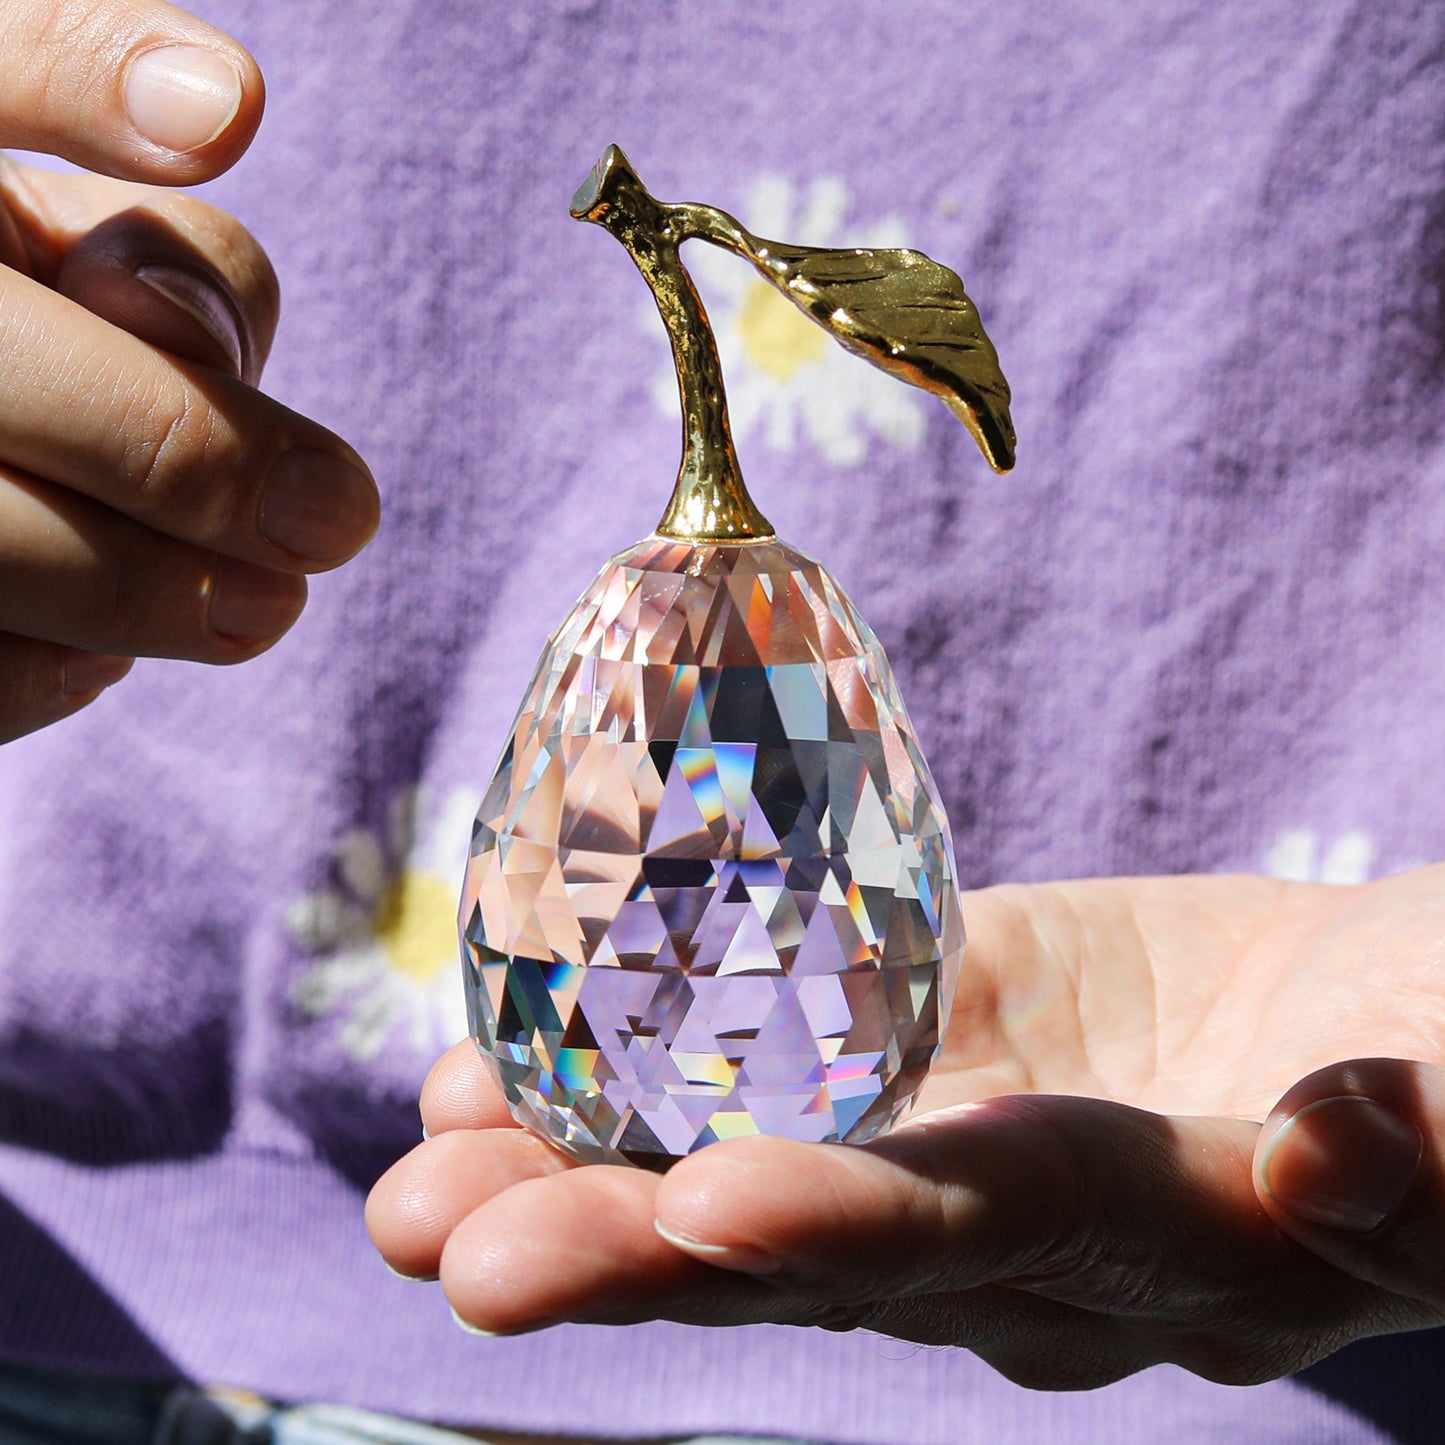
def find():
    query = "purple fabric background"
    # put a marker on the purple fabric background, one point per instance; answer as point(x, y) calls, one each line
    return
point(1204, 612)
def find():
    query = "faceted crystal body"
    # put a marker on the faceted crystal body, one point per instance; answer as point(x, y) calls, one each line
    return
point(711, 890)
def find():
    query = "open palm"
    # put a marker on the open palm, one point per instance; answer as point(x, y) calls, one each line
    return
point(1196, 995)
point(1075, 1195)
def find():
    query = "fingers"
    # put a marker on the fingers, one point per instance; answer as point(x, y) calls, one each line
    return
point(44, 682)
point(75, 573)
point(516, 1262)
point(1003, 1189)
point(482, 1209)
point(182, 276)
point(461, 1092)
point(415, 1206)
point(133, 88)
point(1066, 1240)
point(163, 266)
point(522, 1237)
point(189, 453)
point(579, 1245)
point(1096, 1206)
point(1351, 1163)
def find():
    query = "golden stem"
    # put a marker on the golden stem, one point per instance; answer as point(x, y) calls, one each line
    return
point(710, 502)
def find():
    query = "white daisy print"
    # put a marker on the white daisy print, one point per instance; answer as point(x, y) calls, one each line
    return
point(383, 937)
point(786, 378)
point(1299, 856)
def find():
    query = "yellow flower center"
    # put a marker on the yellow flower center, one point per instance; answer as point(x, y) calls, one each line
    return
point(416, 923)
point(777, 338)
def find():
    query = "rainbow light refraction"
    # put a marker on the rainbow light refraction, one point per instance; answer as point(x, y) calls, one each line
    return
point(711, 891)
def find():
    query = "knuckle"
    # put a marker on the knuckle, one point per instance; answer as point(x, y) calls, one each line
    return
point(1254, 1345)
point(59, 51)
point(1234, 1361)
point(170, 459)
point(1063, 1365)
point(67, 23)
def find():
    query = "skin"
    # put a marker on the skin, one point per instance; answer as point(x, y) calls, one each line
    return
point(134, 448)
point(1079, 1192)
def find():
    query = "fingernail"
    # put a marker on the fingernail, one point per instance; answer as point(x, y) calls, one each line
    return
point(411, 1278)
point(740, 1257)
point(319, 506)
point(251, 603)
point(92, 671)
point(181, 97)
point(203, 302)
point(1344, 1163)
point(470, 1328)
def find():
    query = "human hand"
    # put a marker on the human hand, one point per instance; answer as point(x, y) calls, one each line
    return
point(1083, 1189)
point(151, 501)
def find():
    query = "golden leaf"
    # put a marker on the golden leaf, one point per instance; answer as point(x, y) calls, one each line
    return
point(908, 315)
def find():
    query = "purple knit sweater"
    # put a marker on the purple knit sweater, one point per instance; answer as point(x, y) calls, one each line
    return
point(1200, 627)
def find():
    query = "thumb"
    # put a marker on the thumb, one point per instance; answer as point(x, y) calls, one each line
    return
point(1351, 1164)
point(132, 88)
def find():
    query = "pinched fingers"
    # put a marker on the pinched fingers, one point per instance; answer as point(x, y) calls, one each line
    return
point(187, 452)
point(146, 505)
point(76, 572)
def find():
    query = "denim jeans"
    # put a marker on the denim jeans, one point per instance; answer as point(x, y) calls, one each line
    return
point(40, 1407)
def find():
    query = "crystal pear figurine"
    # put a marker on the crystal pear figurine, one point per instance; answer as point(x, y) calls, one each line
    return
point(711, 890)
